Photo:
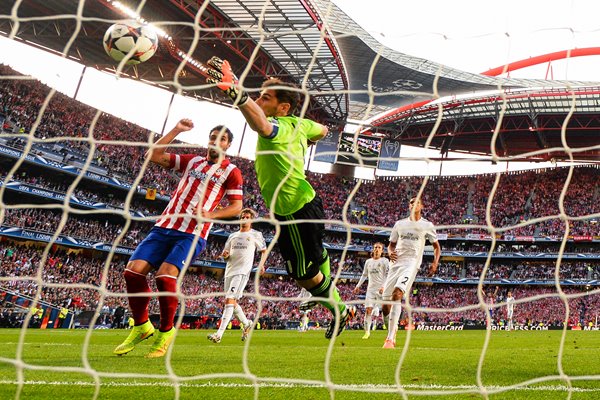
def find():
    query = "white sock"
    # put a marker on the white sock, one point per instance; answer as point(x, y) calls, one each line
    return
point(225, 318)
point(394, 318)
point(239, 313)
point(374, 325)
point(367, 323)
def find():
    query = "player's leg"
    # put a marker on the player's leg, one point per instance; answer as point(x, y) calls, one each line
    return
point(397, 283)
point(149, 253)
point(395, 313)
point(308, 262)
point(304, 321)
point(166, 283)
point(233, 290)
point(238, 312)
point(226, 317)
point(136, 283)
point(375, 315)
point(367, 320)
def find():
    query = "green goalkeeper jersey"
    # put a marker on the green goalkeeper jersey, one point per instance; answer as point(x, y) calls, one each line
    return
point(288, 144)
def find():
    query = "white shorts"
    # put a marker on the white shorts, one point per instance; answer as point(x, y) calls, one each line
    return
point(235, 285)
point(401, 277)
point(373, 298)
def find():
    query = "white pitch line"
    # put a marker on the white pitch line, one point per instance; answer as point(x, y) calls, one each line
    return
point(545, 388)
point(39, 344)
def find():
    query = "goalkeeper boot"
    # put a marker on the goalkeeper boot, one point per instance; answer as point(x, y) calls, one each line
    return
point(213, 337)
point(138, 334)
point(161, 343)
point(389, 344)
point(246, 332)
point(347, 315)
point(366, 335)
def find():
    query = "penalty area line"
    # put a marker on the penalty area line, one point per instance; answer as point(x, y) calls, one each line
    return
point(373, 387)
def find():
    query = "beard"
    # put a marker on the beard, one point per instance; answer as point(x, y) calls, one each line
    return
point(213, 154)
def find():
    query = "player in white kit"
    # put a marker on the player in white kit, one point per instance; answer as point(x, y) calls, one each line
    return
point(305, 308)
point(239, 252)
point(510, 305)
point(407, 243)
point(375, 270)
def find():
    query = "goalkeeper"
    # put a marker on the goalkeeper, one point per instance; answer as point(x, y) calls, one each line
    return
point(280, 151)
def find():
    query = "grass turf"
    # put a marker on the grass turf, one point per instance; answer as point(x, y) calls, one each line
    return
point(436, 361)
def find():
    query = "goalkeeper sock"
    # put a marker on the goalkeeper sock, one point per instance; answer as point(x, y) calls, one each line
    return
point(225, 318)
point(239, 314)
point(137, 283)
point(325, 267)
point(168, 304)
point(322, 290)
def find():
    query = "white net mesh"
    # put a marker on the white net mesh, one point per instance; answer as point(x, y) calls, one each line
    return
point(79, 195)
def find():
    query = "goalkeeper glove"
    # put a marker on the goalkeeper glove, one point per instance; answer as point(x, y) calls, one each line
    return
point(222, 75)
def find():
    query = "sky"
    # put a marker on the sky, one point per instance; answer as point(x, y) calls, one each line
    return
point(474, 39)
point(475, 35)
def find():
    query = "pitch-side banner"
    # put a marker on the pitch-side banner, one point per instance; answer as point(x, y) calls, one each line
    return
point(327, 147)
point(389, 155)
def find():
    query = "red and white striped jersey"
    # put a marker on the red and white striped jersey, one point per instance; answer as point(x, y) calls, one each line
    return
point(201, 180)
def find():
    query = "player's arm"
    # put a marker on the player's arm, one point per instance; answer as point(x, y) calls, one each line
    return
point(392, 251)
point(226, 248)
point(437, 252)
point(256, 119)
point(262, 264)
point(314, 139)
point(362, 279)
point(232, 210)
point(387, 271)
point(234, 193)
point(157, 153)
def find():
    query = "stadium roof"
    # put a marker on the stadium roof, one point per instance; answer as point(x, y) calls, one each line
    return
point(533, 124)
point(346, 70)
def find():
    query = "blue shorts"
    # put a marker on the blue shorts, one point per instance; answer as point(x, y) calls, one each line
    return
point(167, 245)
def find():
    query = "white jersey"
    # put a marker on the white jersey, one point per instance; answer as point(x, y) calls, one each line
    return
point(510, 304)
point(241, 247)
point(410, 237)
point(375, 271)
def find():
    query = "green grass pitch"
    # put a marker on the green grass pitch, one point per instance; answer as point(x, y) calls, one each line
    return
point(292, 365)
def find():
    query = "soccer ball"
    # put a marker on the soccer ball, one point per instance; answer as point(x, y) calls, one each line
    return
point(122, 38)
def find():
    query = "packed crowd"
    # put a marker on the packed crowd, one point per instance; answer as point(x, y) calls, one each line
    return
point(72, 279)
point(517, 198)
point(535, 305)
point(76, 226)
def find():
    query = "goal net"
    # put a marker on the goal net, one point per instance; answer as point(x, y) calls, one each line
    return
point(511, 301)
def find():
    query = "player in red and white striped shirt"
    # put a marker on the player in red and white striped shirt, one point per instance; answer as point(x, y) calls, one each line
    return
point(204, 183)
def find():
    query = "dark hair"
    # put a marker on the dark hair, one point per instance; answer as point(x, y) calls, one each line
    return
point(223, 128)
point(292, 97)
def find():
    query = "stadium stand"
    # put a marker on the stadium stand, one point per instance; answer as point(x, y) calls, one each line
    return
point(518, 262)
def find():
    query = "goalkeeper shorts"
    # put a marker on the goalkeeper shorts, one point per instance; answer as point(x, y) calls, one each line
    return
point(301, 244)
